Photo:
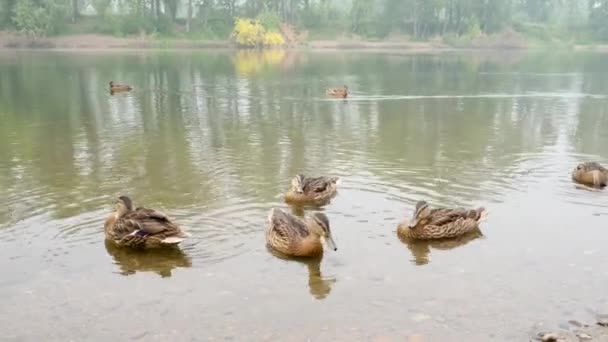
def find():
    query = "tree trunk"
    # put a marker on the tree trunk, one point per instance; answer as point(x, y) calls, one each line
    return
point(8, 10)
point(415, 19)
point(156, 14)
point(75, 11)
point(189, 18)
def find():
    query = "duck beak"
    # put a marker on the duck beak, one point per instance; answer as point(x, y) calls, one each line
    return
point(412, 224)
point(331, 243)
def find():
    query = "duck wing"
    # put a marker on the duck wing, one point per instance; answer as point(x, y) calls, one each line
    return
point(318, 184)
point(285, 224)
point(444, 215)
point(149, 221)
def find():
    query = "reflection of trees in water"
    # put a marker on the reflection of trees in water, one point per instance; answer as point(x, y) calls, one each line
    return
point(319, 286)
point(590, 133)
point(161, 261)
point(195, 128)
point(421, 250)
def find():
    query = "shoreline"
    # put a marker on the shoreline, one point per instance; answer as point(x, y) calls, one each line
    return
point(97, 42)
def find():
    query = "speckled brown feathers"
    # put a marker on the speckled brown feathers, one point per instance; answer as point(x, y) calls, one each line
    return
point(312, 190)
point(440, 223)
point(293, 236)
point(591, 174)
point(141, 227)
point(337, 92)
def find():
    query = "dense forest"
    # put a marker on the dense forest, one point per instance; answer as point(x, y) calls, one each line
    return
point(544, 20)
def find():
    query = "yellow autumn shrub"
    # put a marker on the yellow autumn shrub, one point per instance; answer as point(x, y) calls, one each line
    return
point(248, 32)
point(251, 33)
point(273, 39)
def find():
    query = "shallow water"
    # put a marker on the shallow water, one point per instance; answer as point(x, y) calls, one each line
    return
point(214, 138)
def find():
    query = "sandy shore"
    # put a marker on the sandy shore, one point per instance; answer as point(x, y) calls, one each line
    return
point(9, 40)
point(96, 41)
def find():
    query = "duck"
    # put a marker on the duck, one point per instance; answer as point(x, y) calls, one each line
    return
point(337, 92)
point(296, 237)
point(440, 223)
point(119, 87)
point(141, 228)
point(590, 173)
point(312, 190)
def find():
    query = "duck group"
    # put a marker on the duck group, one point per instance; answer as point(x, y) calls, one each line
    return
point(291, 235)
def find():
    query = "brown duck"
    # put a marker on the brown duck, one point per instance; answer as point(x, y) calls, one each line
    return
point(293, 236)
point(590, 173)
point(440, 223)
point(116, 88)
point(141, 227)
point(312, 190)
point(337, 92)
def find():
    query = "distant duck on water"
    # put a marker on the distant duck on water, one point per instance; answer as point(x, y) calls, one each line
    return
point(116, 88)
point(337, 92)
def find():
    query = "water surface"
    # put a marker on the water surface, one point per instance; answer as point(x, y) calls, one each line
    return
point(213, 139)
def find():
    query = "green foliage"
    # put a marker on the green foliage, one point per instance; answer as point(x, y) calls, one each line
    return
point(39, 19)
point(454, 20)
point(269, 19)
point(101, 7)
point(598, 18)
point(6, 12)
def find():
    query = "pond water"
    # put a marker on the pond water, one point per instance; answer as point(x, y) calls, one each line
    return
point(214, 138)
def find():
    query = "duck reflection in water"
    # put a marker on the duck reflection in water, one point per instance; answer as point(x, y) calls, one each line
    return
point(421, 249)
point(161, 261)
point(319, 286)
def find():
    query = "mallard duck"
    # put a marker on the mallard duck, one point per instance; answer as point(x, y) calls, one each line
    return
point(590, 173)
point(293, 236)
point(141, 227)
point(440, 223)
point(337, 92)
point(312, 190)
point(114, 88)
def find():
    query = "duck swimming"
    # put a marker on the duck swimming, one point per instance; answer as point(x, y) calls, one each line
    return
point(591, 174)
point(293, 236)
point(337, 92)
point(440, 223)
point(115, 88)
point(141, 227)
point(312, 190)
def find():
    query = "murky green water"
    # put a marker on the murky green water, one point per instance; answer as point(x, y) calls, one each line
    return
point(214, 138)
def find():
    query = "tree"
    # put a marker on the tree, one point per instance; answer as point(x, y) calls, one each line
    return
point(39, 18)
point(75, 11)
point(8, 11)
point(101, 7)
point(598, 18)
point(189, 16)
